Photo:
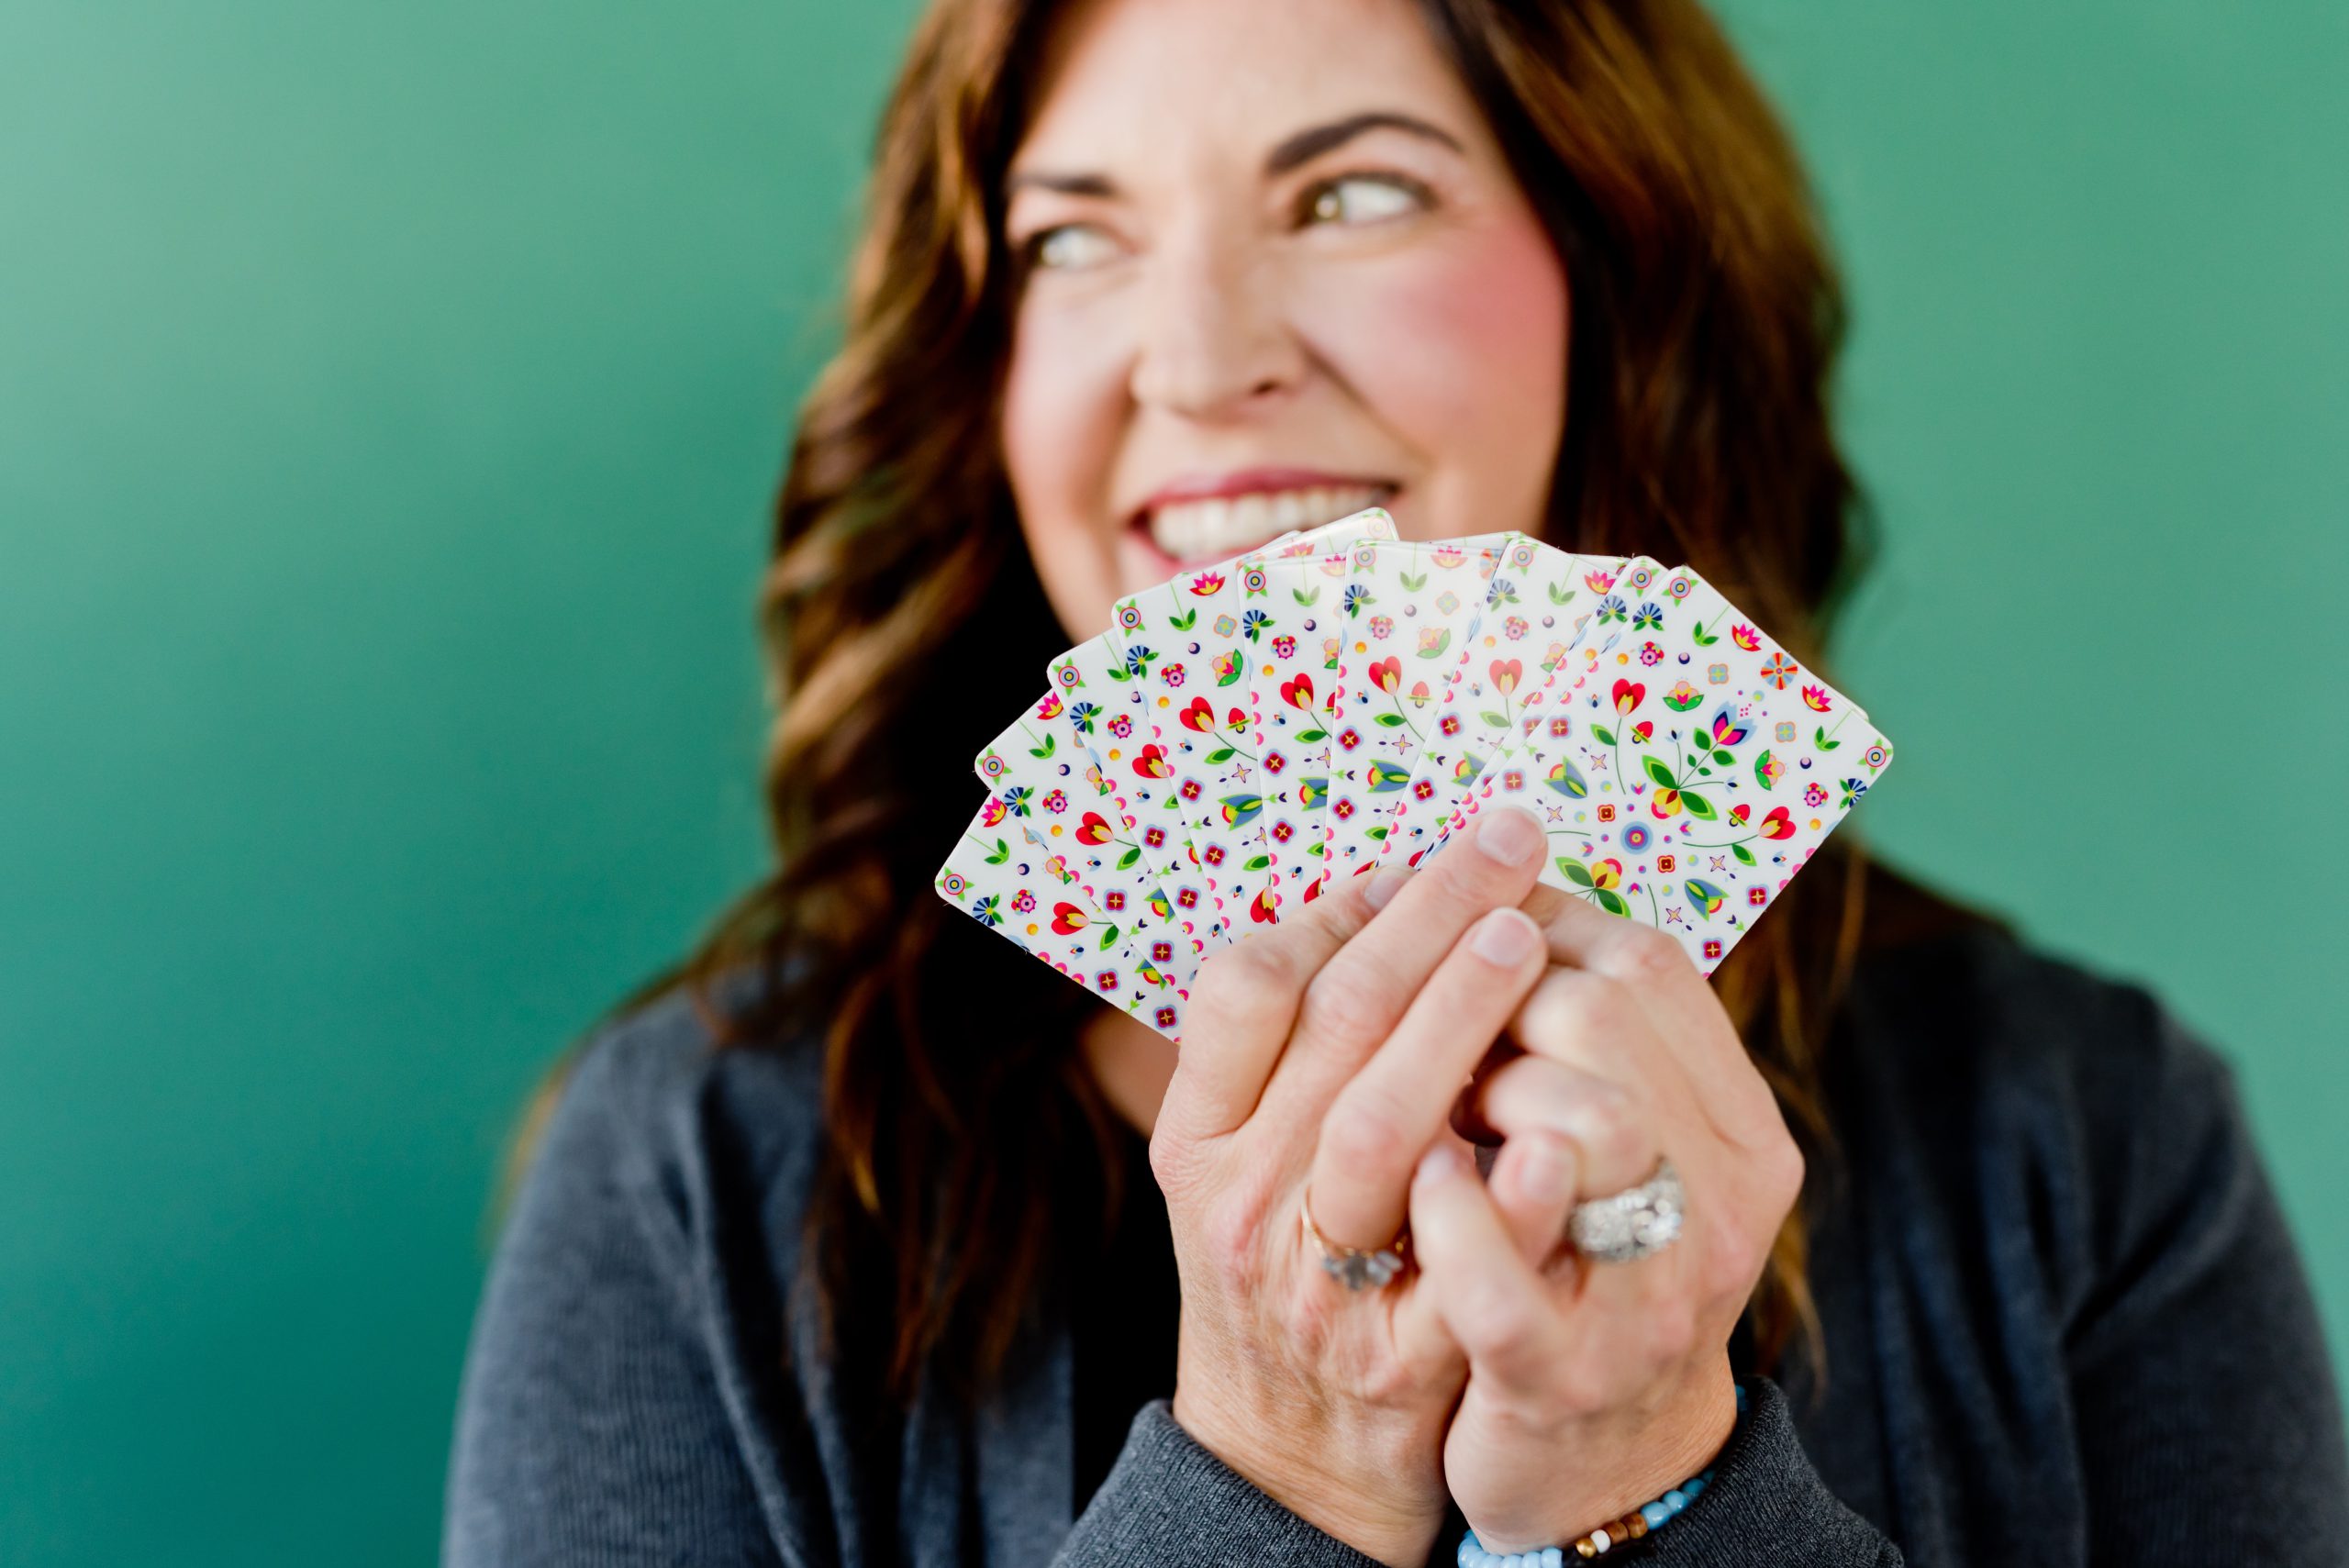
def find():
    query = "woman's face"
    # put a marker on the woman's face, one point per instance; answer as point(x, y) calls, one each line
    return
point(1278, 270)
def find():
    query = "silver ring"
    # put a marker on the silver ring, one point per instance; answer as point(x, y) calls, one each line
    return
point(1624, 1227)
point(1356, 1268)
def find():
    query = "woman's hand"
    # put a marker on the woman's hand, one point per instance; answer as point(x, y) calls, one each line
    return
point(1330, 1050)
point(1594, 1387)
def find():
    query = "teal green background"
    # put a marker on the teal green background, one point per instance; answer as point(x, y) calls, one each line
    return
point(389, 399)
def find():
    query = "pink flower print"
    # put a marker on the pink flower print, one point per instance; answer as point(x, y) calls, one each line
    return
point(1448, 556)
point(994, 812)
point(1113, 901)
point(1283, 832)
point(1425, 790)
point(1343, 805)
point(1284, 648)
point(1154, 838)
point(1057, 801)
point(1171, 673)
point(1650, 653)
point(1381, 627)
point(1812, 794)
point(1448, 724)
point(1814, 698)
point(1050, 707)
point(1560, 727)
point(1024, 901)
point(1349, 738)
point(1513, 780)
point(1122, 726)
point(1745, 637)
point(1598, 581)
point(1514, 628)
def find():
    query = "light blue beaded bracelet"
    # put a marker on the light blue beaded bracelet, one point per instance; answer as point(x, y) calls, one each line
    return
point(1630, 1526)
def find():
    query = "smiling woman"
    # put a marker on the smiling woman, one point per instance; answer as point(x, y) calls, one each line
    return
point(842, 1243)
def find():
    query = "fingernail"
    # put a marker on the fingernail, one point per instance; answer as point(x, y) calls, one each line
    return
point(1504, 937)
point(1439, 1162)
point(1509, 836)
point(1384, 885)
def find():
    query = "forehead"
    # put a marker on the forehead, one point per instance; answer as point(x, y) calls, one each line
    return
point(1138, 83)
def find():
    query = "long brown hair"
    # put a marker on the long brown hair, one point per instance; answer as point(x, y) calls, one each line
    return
point(1707, 318)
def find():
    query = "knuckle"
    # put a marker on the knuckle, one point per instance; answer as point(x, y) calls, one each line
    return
point(1228, 1237)
point(1346, 1006)
point(1496, 1325)
point(1242, 979)
point(1649, 953)
point(1363, 1135)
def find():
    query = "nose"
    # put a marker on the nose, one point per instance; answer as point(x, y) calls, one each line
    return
point(1213, 340)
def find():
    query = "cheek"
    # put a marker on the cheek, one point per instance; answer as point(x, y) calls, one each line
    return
point(1062, 413)
point(1460, 352)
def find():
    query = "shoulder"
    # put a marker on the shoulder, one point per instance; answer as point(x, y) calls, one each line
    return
point(1984, 1014)
point(658, 1117)
point(2003, 1089)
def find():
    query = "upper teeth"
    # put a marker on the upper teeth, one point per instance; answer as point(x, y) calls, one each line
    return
point(1228, 525)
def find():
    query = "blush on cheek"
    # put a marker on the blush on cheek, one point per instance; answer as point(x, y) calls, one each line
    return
point(1460, 332)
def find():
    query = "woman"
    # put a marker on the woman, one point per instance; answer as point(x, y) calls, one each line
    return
point(841, 1243)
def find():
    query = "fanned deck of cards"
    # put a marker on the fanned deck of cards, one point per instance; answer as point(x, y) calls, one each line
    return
point(1342, 699)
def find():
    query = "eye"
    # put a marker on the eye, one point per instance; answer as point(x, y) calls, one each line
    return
point(1363, 198)
point(1066, 246)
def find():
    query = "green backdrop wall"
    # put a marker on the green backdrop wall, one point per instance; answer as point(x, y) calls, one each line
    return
point(389, 397)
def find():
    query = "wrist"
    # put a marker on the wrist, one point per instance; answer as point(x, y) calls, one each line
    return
point(1618, 1498)
point(1373, 1515)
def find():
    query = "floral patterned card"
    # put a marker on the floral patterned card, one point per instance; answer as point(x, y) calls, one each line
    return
point(1533, 617)
point(1060, 796)
point(1159, 700)
point(1028, 894)
point(1290, 658)
point(1409, 609)
point(1687, 766)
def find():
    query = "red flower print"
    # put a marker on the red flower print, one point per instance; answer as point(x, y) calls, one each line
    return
point(1190, 789)
point(1312, 890)
point(1423, 790)
point(1067, 920)
point(1107, 980)
point(1448, 724)
point(1297, 691)
point(1641, 730)
point(1213, 854)
point(1264, 908)
point(1165, 1017)
point(1150, 763)
point(1094, 829)
point(1113, 901)
point(1505, 674)
point(1560, 727)
point(1778, 824)
point(1154, 838)
point(1199, 716)
point(1343, 807)
point(1274, 761)
point(1387, 674)
point(1283, 832)
point(1188, 898)
point(1348, 740)
point(1629, 694)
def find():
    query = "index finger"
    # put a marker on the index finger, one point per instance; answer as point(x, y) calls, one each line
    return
point(1244, 1004)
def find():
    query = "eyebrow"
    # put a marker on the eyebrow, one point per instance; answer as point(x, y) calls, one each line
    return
point(1299, 148)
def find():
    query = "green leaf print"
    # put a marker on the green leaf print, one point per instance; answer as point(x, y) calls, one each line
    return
point(1603, 735)
point(1661, 774)
point(1126, 862)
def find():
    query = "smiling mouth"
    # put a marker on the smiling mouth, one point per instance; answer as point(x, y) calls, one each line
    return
point(1223, 526)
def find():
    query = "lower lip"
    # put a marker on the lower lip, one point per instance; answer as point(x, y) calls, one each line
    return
point(1166, 565)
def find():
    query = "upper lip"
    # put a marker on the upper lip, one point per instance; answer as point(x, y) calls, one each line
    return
point(1248, 480)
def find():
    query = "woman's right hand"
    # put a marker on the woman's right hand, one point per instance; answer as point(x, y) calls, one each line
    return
point(1330, 1051)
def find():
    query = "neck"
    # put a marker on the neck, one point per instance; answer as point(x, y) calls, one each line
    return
point(1131, 1061)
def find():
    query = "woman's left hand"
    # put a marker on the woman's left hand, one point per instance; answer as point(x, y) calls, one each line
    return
point(1595, 1386)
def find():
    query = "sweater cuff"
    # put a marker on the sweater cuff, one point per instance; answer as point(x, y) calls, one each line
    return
point(1766, 1503)
point(1169, 1502)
